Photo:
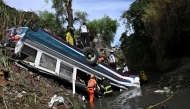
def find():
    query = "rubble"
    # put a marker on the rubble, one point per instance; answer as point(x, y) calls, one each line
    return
point(25, 89)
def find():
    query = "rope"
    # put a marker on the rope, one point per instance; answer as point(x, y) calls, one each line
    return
point(151, 106)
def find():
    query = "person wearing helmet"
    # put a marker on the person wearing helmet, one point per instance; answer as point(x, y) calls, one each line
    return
point(70, 37)
point(125, 69)
point(106, 87)
point(102, 58)
point(91, 87)
point(112, 60)
point(143, 78)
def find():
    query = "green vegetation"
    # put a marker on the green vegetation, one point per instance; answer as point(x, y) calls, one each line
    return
point(161, 34)
point(159, 39)
point(105, 27)
point(49, 21)
point(137, 46)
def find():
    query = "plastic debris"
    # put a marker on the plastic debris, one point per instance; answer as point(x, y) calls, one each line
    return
point(55, 99)
point(83, 98)
point(50, 104)
point(59, 99)
point(165, 88)
point(159, 91)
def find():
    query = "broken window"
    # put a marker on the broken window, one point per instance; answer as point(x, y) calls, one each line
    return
point(66, 71)
point(29, 51)
point(28, 54)
point(48, 62)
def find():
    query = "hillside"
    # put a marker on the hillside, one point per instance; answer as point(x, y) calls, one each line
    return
point(24, 89)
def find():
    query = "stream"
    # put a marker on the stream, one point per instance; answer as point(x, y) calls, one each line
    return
point(144, 97)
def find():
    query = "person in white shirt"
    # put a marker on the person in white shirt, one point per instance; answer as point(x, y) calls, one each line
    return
point(85, 33)
point(125, 68)
point(112, 59)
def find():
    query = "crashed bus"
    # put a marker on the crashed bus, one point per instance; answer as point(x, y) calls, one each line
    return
point(38, 49)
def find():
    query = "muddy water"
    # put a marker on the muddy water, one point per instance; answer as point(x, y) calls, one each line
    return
point(142, 98)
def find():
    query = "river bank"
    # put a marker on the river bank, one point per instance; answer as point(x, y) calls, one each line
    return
point(23, 89)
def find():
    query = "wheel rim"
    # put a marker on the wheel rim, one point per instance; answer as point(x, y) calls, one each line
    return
point(90, 56)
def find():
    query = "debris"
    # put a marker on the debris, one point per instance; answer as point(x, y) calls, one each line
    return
point(165, 88)
point(83, 98)
point(3, 81)
point(19, 95)
point(50, 104)
point(22, 93)
point(178, 86)
point(59, 99)
point(159, 91)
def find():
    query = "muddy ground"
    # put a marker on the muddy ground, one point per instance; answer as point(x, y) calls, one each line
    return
point(23, 89)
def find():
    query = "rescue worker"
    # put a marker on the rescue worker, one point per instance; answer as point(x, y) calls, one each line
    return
point(106, 86)
point(125, 69)
point(91, 87)
point(143, 77)
point(85, 33)
point(112, 59)
point(70, 37)
point(101, 59)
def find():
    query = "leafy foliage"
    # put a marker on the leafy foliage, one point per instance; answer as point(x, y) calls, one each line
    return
point(105, 27)
point(170, 21)
point(64, 11)
point(81, 16)
point(160, 33)
point(49, 22)
point(136, 47)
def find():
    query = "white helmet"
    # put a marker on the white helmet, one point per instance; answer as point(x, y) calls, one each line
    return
point(111, 51)
point(92, 76)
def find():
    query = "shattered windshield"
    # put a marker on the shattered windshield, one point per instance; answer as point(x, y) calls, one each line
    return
point(13, 34)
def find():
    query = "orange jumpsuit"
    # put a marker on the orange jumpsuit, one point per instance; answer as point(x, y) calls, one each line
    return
point(90, 89)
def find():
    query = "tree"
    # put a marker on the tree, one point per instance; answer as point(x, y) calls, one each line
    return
point(64, 11)
point(161, 33)
point(49, 22)
point(81, 16)
point(105, 27)
point(94, 28)
point(108, 29)
point(169, 21)
point(136, 47)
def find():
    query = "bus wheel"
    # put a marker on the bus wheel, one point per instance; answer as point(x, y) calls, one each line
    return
point(91, 55)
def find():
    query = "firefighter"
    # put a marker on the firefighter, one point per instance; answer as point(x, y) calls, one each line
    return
point(70, 36)
point(107, 88)
point(143, 77)
point(91, 87)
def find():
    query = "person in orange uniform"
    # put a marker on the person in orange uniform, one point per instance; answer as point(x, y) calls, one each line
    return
point(91, 87)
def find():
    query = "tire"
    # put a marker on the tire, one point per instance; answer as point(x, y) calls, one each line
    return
point(91, 55)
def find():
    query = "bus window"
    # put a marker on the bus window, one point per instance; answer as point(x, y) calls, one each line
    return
point(66, 71)
point(48, 62)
